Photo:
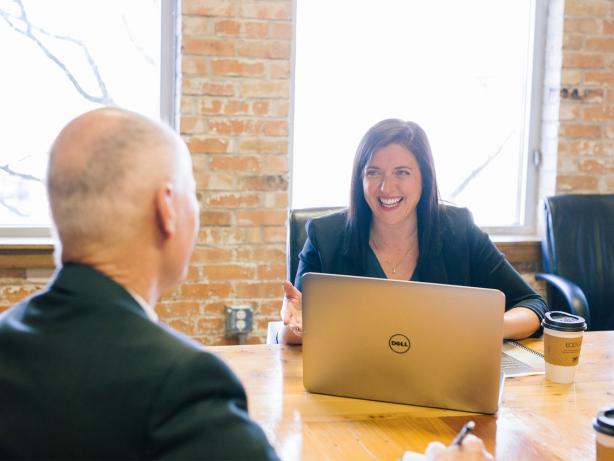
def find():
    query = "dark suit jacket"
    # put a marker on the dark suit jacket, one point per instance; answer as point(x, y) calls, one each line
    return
point(462, 255)
point(84, 374)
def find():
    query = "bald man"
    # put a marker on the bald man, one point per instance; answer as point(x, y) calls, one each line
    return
point(86, 370)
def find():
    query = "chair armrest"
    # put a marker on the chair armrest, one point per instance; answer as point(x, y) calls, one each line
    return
point(572, 293)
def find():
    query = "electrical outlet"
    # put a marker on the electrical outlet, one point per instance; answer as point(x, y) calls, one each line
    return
point(239, 320)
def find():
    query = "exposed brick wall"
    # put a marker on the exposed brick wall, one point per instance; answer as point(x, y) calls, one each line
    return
point(586, 133)
point(234, 116)
point(235, 98)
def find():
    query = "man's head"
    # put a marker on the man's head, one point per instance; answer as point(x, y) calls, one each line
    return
point(119, 181)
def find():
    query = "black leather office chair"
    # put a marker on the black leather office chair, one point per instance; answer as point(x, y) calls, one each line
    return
point(297, 234)
point(578, 257)
point(295, 242)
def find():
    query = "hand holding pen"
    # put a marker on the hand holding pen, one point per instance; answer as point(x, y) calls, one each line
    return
point(464, 447)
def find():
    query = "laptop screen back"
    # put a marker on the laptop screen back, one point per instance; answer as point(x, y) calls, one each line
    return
point(405, 342)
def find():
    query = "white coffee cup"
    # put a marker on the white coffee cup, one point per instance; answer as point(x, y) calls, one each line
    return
point(604, 434)
point(563, 334)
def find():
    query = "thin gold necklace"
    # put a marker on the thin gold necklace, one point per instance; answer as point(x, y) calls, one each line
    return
point(394, 267)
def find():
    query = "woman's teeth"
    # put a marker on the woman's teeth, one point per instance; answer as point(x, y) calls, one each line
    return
point(390, 202)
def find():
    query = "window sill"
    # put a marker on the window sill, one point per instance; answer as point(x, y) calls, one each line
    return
point(26, 253)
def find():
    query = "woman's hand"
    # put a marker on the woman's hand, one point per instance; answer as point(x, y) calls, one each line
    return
point(291, 309)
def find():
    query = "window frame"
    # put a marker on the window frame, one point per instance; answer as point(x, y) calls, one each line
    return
point(170, 14)
point(531, 161)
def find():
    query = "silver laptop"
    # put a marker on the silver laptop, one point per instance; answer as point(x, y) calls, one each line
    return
point(406, 342)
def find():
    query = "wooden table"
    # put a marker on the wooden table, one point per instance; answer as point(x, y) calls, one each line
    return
point(538, 420)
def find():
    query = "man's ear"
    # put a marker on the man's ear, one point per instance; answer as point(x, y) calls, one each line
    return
point(165, 210)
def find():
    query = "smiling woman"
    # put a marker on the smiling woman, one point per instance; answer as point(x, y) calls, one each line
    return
point(396, 227)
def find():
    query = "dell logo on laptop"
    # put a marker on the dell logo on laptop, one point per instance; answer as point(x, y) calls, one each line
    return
point(399, 343)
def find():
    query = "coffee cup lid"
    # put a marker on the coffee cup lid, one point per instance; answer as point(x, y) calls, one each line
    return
point(604, 421)
point(563, 321)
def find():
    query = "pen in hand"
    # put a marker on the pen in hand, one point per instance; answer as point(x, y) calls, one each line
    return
point(468, 427)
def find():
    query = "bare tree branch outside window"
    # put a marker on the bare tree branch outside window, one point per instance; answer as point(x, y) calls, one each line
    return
point(79, 64)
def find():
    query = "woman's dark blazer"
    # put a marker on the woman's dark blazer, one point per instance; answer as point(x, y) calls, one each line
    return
point(463, 255)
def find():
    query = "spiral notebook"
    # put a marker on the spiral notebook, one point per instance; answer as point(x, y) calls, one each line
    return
point(518, 360)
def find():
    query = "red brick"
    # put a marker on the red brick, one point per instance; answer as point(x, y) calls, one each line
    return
point(230, 28)
point(268, 253)
point(600, 44)
point(216, 307)
point(189, 105)
point(262, 182)
point(196, 26)
point(262, 146)
point(582, 60)
point(276, 128)
point(191, 125)
point(593, 166)
point(573, 42)
point(274, 234)
point(271, 271)
point(211, 145)
point(193, 65)
point(281, 109)
point(232, 67)
point(221, 236)
point(276, 199)
point(258, 290)
point(227, 272)
point(593, 95)
point(565, 183)
point(209, 7)
point(210, 325)
point(598, 113)
point(256, 29)
point(233, 200)
point(214, 181)
point(272, 308)
point(210, 106)
point(233, 107)
point(599, 77)
point(582, 25)
point(215, 218)
point(265, 49)
point(580, 131)
point(182, 325)
point(277, 89)
point(261, 217)
point(260, 107)
point(281, 30)
point(275, 163)
point(279, 69)
point(571, 77)
point(198, 86)
point(587, 8)
point(608, 27)
point(206, 255)
point(234, 127)
point(193, 274)
point(208, 46)
point(235, 163)
point(265, 10)
point(171, 309)
point(203, 291)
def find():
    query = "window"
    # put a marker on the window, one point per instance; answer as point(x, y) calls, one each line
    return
point(63, 58)
point(468, 72)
